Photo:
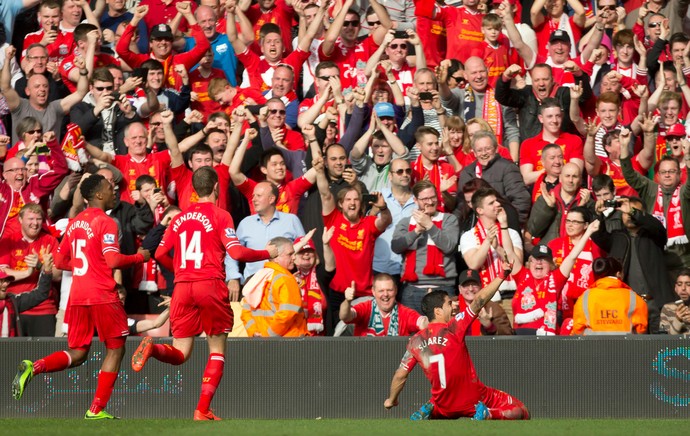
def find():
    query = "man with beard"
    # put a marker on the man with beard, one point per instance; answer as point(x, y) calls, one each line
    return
point(528, 99)
point(547, 218)
point(49, 112)
point(354, 237)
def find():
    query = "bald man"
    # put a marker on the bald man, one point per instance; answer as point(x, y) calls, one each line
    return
point(478, 100)
point(547, 218)
point(17, 189)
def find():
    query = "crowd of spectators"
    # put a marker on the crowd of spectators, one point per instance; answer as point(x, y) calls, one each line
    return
point(402, 146)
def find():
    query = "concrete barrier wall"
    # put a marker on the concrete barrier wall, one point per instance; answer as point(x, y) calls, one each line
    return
point(636, 377)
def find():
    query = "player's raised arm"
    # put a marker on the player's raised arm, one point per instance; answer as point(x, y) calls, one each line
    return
point(484, 296)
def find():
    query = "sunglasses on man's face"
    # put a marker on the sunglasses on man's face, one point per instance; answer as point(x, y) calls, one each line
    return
point(103, 88)
point(276, 111)
point(374, 23)
point(607, 7)
point(351, 23)
point(654, 25)
point(402, 46)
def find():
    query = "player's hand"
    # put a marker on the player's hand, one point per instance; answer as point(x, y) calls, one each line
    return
point(389, 404)
point(272, 251)
point(234, 289)
point(350, 292)
point(145, 253)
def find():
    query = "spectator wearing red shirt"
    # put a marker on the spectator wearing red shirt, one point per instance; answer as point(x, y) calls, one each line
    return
point(342, 46)
point(278, 12)
point(199, 155)
point(259, 70)
point(161, 38)
point(551, 163)
point(557, 18)
point(551, 118)
point(165, 11)
point(21, 255)
point(396, 50)
point(58, 42)
point(353, 240)
point(496, 50)
point(88, 46)
point(382, 316)
point(463, 25)
point(274, 168)
point(199, 80)
point(136, 162)
point(230, 97)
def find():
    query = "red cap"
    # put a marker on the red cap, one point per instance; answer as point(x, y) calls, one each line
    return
point(5, 276)
point(308, 246)
point(676, 130)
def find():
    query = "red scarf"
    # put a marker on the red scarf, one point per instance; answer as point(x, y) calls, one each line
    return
point(434, 256)
point(674, 217)
point(580, 278)
point(492, 267)
point(313, 301)
point(8, 317)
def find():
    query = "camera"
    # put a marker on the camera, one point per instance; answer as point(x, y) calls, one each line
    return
point(156, 190)
point(369, 198)
point(426, 96)
point(612, 203)
point(400, 34)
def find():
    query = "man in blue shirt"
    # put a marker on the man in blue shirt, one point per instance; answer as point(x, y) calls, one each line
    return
point(256, 230)
point(9, 11)
point(223, 55)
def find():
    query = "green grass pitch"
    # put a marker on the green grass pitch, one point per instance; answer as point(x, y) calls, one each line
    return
point(168, 427)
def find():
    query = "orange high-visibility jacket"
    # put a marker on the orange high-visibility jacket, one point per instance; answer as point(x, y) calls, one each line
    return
point(609, 308)
point(280, 311)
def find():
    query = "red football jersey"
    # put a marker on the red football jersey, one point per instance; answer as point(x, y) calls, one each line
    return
point(200, 236)
point(13, 250)
point(156, 165)
point(351, 61)
point(353, 247)
point(88, 238)
point(530, 150)
point(443, 354)
point(57, 51)
point(289, 194)
point(186, 195)
point(199, 84)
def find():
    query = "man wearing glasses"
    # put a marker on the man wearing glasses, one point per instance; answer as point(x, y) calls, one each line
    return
point(342, 46)
point(428, 241)
point(102, 116)
point(668, 201)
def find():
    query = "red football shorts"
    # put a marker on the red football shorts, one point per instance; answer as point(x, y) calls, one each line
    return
point(200, 306)
point(493, 399)
point(109, 320)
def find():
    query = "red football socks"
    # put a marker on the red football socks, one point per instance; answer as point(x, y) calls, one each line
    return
point(58, 361)
point(211, 380)
point(168, 354)
point(104, 389)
